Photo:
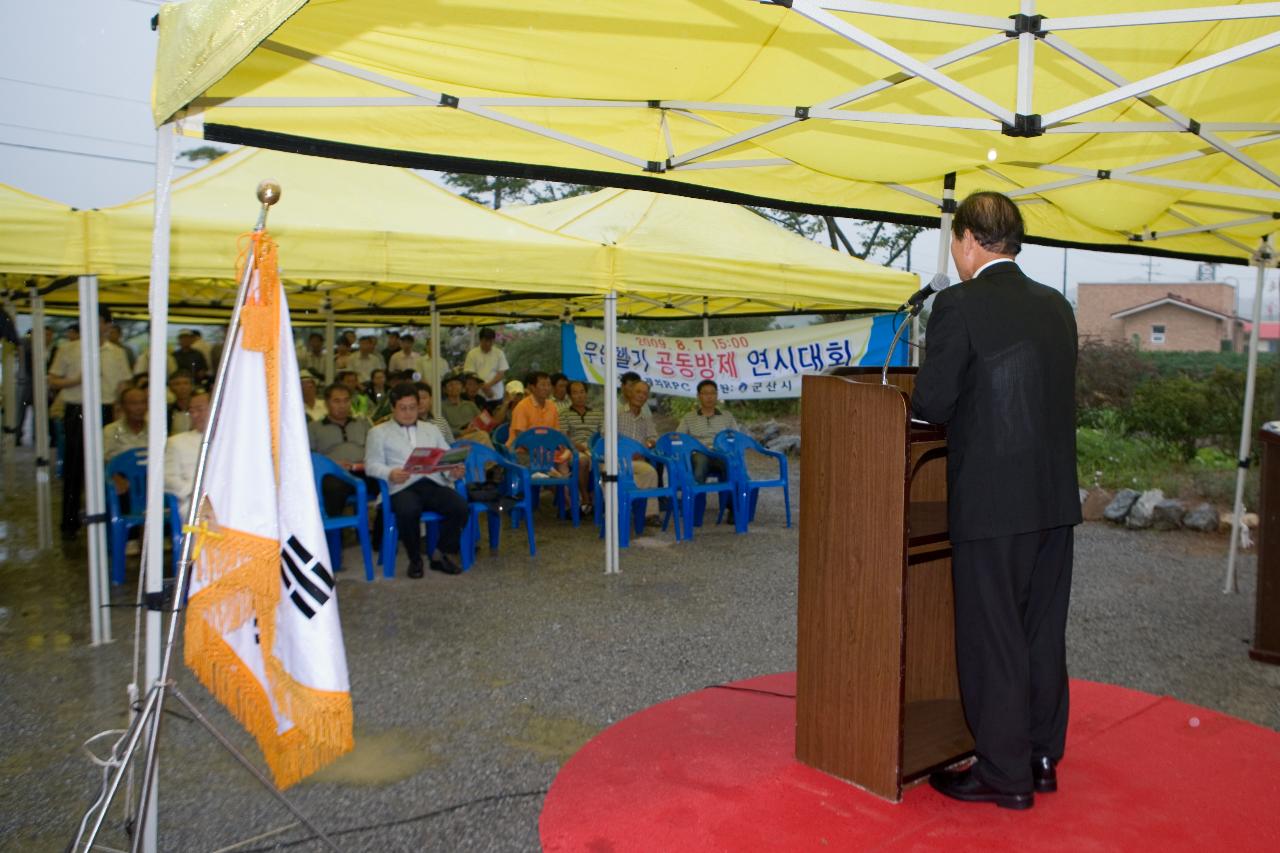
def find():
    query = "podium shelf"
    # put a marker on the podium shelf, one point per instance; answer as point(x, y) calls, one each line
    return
point(934, 735)
point(927, 527)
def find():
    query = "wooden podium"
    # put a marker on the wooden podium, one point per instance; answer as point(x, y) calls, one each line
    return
point(877, 698)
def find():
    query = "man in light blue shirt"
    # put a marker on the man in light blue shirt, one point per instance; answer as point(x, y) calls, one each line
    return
point(387, 448)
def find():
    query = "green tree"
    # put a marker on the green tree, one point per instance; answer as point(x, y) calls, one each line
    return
point(497, 190)
point(203, 153)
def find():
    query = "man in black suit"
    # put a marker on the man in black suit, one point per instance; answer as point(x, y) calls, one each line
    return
point(1000, 373)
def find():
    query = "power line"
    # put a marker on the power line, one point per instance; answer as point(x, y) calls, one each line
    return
point(80, 135)
point(77, 91)
point(88, 154)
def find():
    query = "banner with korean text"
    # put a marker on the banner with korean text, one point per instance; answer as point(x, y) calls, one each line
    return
point(747, 366)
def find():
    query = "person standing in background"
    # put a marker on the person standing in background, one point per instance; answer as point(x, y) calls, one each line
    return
point(489, 363)
point(65, 378)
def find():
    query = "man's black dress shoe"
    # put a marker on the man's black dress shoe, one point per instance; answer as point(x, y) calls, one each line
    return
point(1044, 775)
point(970, 789)
point(445, 566)
point(415, 570)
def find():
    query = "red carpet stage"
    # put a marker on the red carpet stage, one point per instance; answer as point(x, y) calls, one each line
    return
point(714, 770)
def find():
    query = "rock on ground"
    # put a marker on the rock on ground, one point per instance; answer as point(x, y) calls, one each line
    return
point(1167, 515)
point(1143, 509)
point(1095, 504)
point(1120, 505)
point(1203, 518)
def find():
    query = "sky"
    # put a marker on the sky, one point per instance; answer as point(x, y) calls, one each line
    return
point(75, 127)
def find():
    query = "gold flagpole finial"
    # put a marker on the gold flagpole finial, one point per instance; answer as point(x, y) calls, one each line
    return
point(268, 192)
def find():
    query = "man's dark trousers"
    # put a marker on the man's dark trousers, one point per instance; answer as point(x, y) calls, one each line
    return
point(1011, 595)
point(427, 495)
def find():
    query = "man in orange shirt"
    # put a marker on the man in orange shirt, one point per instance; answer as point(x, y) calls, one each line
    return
point(534, 410)
point(538, 410)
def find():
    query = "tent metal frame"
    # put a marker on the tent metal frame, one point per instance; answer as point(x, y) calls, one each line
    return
point(1026, 27)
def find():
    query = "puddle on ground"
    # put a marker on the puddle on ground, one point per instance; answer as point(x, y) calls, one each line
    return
point(652, 542)
point(382, 758)
point(556, 738)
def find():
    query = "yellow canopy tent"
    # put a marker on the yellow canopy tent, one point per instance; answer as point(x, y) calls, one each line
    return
point(38, 238)
point(697, 250)
point(1140, 127)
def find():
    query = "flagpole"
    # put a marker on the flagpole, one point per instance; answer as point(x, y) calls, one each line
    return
point(268, 194)
point(151, 715)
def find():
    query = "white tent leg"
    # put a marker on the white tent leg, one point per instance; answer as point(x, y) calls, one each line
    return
point(157, 435)
point(434, 350)
point(329, 342)
point(706, 319)
point(1263, 260)
point(11, 404)
point(94, 498)
point(40, 422)
point(610, 485)
point(944, 253)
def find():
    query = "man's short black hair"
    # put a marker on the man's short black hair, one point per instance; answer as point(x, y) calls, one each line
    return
point(487, 334)
point(392, 333)
point(126, 390)
point(314, 335)
point(534, 376)
point(343, 374)
point(707, 382)
point(364, 338)
point(104, 313)
point(556, 377)
point(573, 382)
point(993, 219)
point(404, 338)
point(336, 388)
point(402, 390)
point(424, 386)
point(182, 373)
point(629, 377)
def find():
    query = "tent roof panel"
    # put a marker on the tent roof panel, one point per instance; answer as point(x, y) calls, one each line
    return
point(796, 107)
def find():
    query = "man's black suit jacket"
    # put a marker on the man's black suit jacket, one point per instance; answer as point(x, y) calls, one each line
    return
point(999, 371)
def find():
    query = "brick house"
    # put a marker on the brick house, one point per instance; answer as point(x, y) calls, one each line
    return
point(1192, 317)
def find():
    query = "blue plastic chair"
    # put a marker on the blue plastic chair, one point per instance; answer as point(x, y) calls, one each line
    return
point(515, 484)
point(391, 533)
point(693, 495)
point(631, 498)
point(322, 466)
point(132, 465)
point(500, 434)
point(542, 444)
point(735, 445)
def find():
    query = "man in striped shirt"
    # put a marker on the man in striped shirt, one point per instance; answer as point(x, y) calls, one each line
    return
point(636, 421)
point(581, 421)
point(703, 423)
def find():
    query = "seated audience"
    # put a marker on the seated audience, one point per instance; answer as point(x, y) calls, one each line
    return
point(182, 452)
point(425, 411)
point(312, 358)
point(340, 436)
point(379, 395)
point(181, 386)
point(359, 402)
point(581, 421)
point(560, 391)
point(392, 347)
point(636, 421)
point(389, 446)
point(535, 409)
point(130, 431)
point(461, 413)
point(311, 399)
point(703, 423)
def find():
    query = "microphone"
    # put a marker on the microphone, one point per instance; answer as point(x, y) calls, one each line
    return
point(937, 283)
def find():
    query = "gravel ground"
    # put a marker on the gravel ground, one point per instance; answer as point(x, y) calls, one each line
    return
point(470, 692)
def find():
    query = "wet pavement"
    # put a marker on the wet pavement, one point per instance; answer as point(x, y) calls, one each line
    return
point(471, 691)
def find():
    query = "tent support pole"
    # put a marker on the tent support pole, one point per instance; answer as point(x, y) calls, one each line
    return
point(706, 319)
point(944, 253)
point(329, 342)
point(433, 349)
point(1263, 260)
point(157, 436)
point(91, 423)
point(40, 424)
point(12, 406)
point(610, 485)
